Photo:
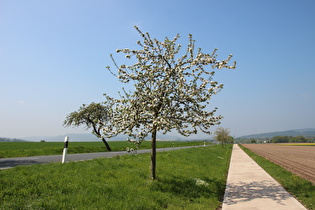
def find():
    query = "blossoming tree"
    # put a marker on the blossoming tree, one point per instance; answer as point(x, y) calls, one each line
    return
point(94, 115)
point(222, 135)
point(171, 91)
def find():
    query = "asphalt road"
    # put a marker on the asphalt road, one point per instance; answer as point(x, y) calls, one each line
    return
point(6, 163)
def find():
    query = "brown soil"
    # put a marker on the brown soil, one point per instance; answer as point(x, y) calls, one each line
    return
point(300, 160)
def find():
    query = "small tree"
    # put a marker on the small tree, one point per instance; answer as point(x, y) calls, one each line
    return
point(171, 91)
point(222, 135)
point(230, 140)
point(94, 115)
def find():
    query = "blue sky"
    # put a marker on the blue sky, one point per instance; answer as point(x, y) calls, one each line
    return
point(53, 56)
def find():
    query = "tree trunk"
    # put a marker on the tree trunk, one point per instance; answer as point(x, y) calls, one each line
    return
point(106, 144)
point(153, 154)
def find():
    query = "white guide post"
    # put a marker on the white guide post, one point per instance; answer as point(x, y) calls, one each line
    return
point(65, 148)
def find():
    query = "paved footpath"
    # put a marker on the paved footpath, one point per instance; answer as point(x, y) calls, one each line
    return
point(250, 187)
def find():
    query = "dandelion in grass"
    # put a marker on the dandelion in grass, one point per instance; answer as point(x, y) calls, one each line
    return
point(200, 182)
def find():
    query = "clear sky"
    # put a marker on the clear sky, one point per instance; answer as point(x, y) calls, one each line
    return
point(53, 56)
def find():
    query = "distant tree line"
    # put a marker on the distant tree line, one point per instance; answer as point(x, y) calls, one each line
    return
point(292, 139)
point(277, 139)
point(10, 140)
point(251, 140)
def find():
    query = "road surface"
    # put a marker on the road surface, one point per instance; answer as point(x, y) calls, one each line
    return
point(6, 163)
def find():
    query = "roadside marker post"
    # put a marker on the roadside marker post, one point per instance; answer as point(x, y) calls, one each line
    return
point(65, 148)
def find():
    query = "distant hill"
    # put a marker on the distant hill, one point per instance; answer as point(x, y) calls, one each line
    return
point(3, 139)
point(73, 137)
point(307, 132)
point(91, 137)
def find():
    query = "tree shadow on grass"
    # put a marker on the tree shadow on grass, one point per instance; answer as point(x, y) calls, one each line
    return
point(190, 188)
point(245, 192)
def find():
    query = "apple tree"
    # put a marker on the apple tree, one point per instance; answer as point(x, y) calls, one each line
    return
point(94, 115)
point(172, 90)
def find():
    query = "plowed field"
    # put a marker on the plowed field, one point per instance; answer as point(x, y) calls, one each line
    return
point(300, 160)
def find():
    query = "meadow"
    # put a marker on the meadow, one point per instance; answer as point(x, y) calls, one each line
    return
point(26, 149)
point(191, 178)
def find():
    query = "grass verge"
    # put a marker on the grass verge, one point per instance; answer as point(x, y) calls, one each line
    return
point(300, 188)
point(187, 179)
point(26, 149)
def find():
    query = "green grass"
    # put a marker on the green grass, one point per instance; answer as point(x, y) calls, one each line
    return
point(25, 149)
point(300, 188)
point(186, 179)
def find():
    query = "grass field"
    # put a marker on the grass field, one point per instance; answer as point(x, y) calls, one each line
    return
point(300, 188)
point(186, 179)
point(25, 149)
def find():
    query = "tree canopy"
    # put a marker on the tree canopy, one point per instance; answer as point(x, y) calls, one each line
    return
point(222, 135)
point(171, 91)
point(94, 115)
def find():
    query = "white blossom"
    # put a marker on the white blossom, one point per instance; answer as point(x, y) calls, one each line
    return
point(171, 91)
